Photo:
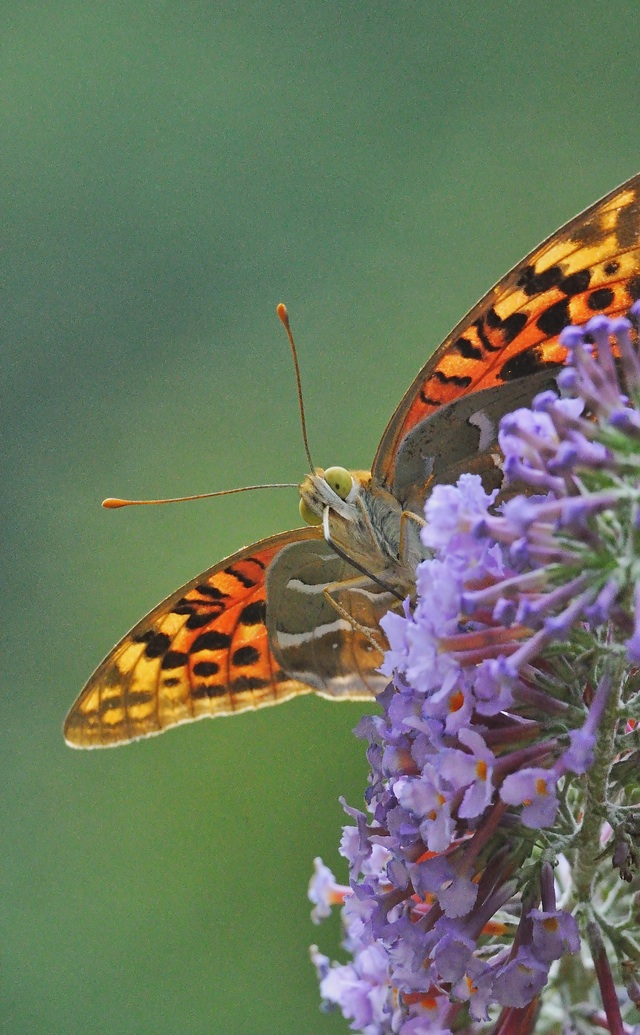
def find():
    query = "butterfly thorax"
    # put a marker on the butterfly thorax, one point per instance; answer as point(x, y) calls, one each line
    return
point(363, 525)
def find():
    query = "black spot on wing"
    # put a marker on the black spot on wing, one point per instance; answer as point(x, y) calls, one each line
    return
point(510, 327)
point(174, 659)
point(600, 299)
point(205, 668)
point(205, 590)
point(553, 319)
point(467, 349)
point(211, 640)
point(144, 637)
point(202, 690)
point(246, 655)
point(197, 619)
point(254, 613)
point(450, 379)
point(533, 283)
point(428, 400)
point(117, 701)
point(248, 683)
point(487, 345)
point(139, 697)
point(243, 579)
point(525, 363)
point(157, 645)
point(575, 283)
point(200, 611)
point(590, 232)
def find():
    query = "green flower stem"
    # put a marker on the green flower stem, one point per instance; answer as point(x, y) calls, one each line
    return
point(587, 841)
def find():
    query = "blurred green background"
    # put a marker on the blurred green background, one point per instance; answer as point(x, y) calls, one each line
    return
point(172, 171)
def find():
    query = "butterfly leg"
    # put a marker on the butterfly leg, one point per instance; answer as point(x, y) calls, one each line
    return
point(366, 519)
point(384, 584)
point(359, 582)
point(410, 550)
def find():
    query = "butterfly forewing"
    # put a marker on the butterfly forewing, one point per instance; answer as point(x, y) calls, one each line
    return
point(203, 652)
point(589, 266)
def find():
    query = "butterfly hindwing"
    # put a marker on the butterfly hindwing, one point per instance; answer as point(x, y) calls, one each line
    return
point(310, 634)
point(591, 265)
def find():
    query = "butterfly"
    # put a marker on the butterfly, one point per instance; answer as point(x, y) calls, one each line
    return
point(299, 612)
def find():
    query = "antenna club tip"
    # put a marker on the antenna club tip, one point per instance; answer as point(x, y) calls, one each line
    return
point(281, 310)
point(112, 504)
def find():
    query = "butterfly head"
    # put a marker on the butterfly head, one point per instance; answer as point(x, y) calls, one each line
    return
point(335, 488)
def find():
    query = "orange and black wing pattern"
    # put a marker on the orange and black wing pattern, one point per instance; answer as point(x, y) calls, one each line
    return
point(591, 265)
point(203, 652)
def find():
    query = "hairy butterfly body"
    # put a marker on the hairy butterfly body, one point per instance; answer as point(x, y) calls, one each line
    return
point(299, 612)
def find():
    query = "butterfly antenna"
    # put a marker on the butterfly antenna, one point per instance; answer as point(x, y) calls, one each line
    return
point(113, 503)
point(284, 316)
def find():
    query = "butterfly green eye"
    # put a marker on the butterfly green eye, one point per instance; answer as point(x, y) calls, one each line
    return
point(308, 515)
point(339, 479)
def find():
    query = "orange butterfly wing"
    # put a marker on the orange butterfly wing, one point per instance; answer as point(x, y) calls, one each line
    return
point(591, 265)
point(204, 651)
point(253, 630)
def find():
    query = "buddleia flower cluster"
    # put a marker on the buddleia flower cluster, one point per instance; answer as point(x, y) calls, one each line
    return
point(493, 878)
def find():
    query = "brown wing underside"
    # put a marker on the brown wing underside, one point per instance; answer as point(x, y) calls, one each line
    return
point(589, 266)
point(202, 652)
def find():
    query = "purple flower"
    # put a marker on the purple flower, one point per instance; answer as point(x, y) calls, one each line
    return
point(437, 876)
point(498, 760)
point(453, 512)
point(535, 790)
point(423, 796)
point(476, 989)
point(360, 989)
point(519, 980)
point(324, 892)
point(554, 933)
point(471, 770)
point(580, 755)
